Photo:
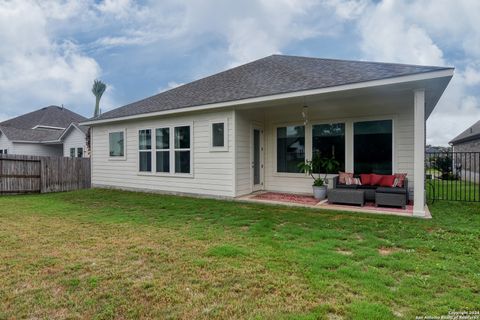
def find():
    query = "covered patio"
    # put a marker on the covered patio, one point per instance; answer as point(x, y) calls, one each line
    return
point(367, 128)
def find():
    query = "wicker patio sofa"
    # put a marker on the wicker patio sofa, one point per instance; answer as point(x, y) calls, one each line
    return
point(382, 196)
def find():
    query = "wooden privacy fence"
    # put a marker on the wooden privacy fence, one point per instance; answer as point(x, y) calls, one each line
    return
point(34, 174)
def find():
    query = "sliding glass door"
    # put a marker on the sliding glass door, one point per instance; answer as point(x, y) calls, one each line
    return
point(372, 146)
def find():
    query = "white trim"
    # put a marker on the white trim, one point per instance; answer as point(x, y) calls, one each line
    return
point(48, 127)
point(358, 85)
point(117, 158)
point(224, 148)
point(68, 128)
point(419, 153)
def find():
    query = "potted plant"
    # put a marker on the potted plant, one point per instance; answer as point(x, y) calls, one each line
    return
point(320, 184)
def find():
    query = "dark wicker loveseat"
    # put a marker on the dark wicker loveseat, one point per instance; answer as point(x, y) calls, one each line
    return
point(382, 196)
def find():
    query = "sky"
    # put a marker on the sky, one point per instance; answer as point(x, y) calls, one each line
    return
point(51, 51)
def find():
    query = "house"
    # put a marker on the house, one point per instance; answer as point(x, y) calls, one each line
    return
point(247, 128)
point(50, 131)
point(468, 140)
point(466, 156)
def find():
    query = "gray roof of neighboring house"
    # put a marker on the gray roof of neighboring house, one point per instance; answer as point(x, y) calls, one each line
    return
point(21, 127)
point(472, 133)
point(272, 75)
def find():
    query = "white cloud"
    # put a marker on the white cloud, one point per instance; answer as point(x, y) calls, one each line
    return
point(472, 76)
point(420, 32)
point(35, 69)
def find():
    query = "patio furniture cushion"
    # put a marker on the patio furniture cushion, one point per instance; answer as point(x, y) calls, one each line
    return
point(401, 179)
point(367, 187)
point(375, 179)
point(395, 190)
point(346, 186)
point(343, 175)
point(365, 178)
point(387, 181)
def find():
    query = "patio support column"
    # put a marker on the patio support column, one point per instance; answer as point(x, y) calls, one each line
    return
point(419, 153)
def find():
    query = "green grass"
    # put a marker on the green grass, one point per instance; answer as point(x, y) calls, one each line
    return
point(103, 254)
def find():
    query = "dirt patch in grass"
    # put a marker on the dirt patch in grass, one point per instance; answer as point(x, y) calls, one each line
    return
point(385, 251)
point(344, 252)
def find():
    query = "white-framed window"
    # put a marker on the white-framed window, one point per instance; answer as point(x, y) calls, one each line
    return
point(182, 151)
point(328, 141)
point(145, 150)
point(72, 152)
point(80, 152)
point(290, 148)
point(219, 135)
point(162, 150)
point(116, 145)
point(168, 148)
point(373, 146)
point(3, 151)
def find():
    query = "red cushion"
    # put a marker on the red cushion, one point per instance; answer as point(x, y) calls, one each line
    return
point(387, 181)
point(365, 178)
point(375, 179)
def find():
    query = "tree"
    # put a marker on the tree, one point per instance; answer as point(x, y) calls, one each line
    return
point(98, 89)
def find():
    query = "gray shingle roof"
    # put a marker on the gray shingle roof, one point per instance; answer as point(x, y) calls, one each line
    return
point(272, 75)
point(21, 127)
point(471, 133)
point(52, 116)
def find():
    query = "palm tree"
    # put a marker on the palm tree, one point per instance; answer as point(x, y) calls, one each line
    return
point(98, 89)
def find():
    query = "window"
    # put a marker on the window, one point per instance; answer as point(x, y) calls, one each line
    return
point(182, 149)
point(219, 136)
point(372, 147)
point(116, 144)
point(290, 148)
point(5, 151)
point(328, 141)
point(72, 152)
point(80, 152)
point(162, 139)
point(145, 150)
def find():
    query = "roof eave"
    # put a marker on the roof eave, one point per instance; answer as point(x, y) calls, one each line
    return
point(447, 72)
point(466, 139)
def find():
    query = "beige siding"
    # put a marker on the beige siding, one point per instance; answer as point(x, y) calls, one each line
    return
point(75, 138)
point(36, 149)
point(212, 170)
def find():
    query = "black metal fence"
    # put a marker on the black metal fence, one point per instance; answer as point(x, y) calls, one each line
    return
point(453, 176)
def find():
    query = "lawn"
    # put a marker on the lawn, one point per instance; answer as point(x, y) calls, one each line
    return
point(107, 254)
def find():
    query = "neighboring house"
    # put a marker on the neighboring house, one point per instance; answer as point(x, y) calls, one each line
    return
point(247, 128)
point(466, 148)
point(50, 131)
point(468, 140)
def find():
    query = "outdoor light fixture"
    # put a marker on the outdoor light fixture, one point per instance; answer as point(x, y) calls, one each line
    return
point(305, 114)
